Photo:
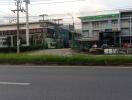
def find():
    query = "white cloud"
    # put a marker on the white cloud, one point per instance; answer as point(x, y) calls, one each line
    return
point(75, 8)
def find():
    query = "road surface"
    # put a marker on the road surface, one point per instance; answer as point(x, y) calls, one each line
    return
point(65, 83)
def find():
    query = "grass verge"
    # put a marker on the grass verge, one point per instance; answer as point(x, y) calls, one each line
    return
point(65, 60)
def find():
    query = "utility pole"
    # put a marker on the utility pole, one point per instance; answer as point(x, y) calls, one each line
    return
point(27, 21)
point(43, 25)
point(119, 29)
point(130, 29)
point(18, 4)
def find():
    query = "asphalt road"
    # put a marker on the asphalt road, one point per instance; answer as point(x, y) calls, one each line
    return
point(65, 84)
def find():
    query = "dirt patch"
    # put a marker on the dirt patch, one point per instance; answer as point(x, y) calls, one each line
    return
point(64, 52)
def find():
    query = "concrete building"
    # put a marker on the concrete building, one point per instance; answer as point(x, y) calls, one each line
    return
point(36, 32)
point(119, 24)
point(40, 32)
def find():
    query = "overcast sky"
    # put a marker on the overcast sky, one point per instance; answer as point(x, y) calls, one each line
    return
point(60, 8)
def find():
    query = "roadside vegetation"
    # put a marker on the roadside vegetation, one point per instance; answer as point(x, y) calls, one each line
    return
point(65, 60)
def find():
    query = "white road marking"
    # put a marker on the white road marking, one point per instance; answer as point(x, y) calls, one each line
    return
point(14, 83)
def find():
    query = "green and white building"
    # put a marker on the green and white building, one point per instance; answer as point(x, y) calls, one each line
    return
point(120, 22)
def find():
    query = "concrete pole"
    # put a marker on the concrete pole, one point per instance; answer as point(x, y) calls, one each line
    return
point(73, 23)
point(119, 28)
point(27, 25)
point(130, 29)
point(18, 28)
point(12, 41)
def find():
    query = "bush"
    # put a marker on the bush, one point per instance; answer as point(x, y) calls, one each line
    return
point(64, 60)
point(22, 48)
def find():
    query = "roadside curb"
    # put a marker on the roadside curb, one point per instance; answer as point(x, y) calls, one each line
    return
point(62, 66)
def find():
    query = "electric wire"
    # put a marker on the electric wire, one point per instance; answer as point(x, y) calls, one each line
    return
point(57, 2)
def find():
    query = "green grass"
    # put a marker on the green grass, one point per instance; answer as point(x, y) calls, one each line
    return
point(65, 60)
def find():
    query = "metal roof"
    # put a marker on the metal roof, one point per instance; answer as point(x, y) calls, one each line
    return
point(23, 23)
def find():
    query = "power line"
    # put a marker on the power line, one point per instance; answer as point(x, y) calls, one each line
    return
point(6, 3)
point(40, 0)
point(30, 17)
point(58, 2)
point(64, 14)
point(4, 13)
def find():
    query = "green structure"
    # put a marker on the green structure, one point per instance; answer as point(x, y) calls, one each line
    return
point(113, 29)
point(99, 17)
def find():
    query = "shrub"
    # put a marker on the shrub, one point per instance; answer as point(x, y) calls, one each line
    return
point(64, 60)
point(22, 48)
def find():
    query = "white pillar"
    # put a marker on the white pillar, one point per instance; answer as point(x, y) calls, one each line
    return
point(27, 25)
point(90, 30)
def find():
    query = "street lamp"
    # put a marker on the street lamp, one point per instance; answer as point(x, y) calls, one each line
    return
point(72, 42)
point(43, 25)
point(72, 20)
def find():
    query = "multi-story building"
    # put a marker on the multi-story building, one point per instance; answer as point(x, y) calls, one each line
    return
point(118, 24)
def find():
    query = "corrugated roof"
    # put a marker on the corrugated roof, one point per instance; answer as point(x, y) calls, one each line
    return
point(23, 23)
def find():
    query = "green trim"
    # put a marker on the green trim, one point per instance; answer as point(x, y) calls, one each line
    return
point(99, 17)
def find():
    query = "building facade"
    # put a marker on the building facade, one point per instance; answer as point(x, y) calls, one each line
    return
point(36, 32)
point(39, 33)
point(118, 24)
